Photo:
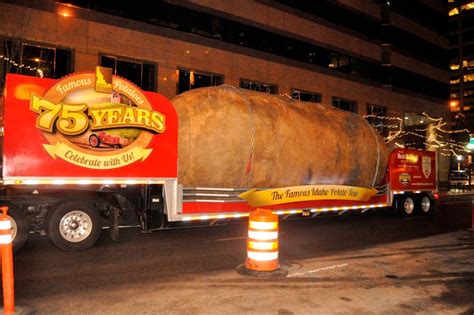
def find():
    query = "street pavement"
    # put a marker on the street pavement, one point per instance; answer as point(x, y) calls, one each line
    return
point(361, 264)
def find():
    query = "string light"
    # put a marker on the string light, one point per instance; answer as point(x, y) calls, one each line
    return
point(438, 136)
point(16, 64)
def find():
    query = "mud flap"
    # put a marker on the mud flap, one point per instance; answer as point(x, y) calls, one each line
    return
point(114, 222)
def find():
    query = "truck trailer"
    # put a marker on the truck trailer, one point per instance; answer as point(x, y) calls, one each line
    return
point(92, 151)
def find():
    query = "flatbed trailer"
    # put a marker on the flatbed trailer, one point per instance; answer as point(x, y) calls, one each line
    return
point(59, 183)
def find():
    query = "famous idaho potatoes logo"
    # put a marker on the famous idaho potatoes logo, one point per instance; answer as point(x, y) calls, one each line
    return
point(97, 120)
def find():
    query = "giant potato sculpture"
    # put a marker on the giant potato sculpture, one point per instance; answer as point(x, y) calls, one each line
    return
point(230, 137)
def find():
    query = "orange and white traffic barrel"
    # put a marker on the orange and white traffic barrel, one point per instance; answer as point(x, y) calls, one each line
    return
point(7, 262)
point(262, 242)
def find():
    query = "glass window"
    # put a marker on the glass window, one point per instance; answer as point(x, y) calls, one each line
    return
point(376, 116)
point(468, 64)
point(468, 6)
point(469, 77)
point(417, 46)
point(142, 73)
point(258, 86)
point(36, 60)
point(415, 119)
point(189, 80)
point(345, 104)
point(230, 32)
point(306, 96)
point(469, 92)
point(412, 124)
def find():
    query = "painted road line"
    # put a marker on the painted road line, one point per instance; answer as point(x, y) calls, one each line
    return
point(299, 274)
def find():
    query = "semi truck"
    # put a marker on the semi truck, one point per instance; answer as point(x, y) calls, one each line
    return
point(92, 151)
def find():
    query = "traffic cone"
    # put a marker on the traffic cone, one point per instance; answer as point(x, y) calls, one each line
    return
point(7, 262)
point(7, 268)
point(262, 245)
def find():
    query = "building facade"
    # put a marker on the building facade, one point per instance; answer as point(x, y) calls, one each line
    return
point(461, 64)
point(378, 58)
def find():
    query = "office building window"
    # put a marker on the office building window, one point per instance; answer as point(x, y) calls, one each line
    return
point(306, 96)
point(376, 117)
point(344, 104)
point(258, 86)
point(142, 73)
point(189, 79)
point(36, 60)
point(414, 119)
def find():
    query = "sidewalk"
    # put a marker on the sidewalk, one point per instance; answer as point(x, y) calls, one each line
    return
point(432, 275)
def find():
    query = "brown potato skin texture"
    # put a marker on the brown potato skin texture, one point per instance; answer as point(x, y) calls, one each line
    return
point(236, 138)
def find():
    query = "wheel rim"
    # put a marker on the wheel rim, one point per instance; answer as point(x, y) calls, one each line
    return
point(425, 204)
point(75, 226)
point(14, 228)
point(93, 141)
point(408, 205)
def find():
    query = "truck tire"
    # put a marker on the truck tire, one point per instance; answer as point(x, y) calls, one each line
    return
point(406, 206)
point(74, 226)
point(94, 141)
point(424, 204)
point(20, 227)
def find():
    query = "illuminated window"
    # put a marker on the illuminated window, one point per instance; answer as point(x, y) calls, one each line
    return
point(306, 96)
point(468, 64)
point(468, 92)
point(143, 74)
point(469, 77)
point(454, 81)
point(468, 6)
point(453, 11)
point(36, 60)
point(454, 66)
point(414, 119)
point(454, 95)
point(189, 80)
point(412, 124)
point(258, 86)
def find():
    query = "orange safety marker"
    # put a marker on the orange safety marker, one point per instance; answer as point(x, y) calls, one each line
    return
point(7, 262)
point(262, 242)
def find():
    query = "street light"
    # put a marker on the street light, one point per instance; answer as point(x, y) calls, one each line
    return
point(459, 158)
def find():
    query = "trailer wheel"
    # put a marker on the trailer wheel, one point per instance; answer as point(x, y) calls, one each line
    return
point(406, 206)
point(20, 227)
point(74, 226)
point(424, 204)
point(94, 140)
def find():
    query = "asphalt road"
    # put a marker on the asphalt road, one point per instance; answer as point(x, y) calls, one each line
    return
point(52, 281)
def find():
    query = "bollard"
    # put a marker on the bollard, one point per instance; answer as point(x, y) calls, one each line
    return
point(7, 262)
point(262, 242)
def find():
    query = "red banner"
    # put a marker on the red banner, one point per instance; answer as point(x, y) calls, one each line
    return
point(87, 125)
